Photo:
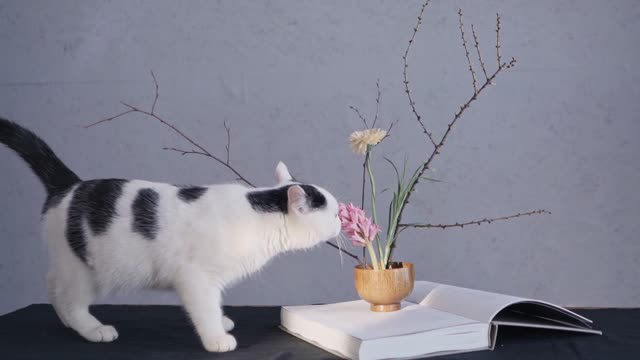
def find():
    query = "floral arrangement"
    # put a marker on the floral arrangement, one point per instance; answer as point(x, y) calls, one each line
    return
point(362, 230)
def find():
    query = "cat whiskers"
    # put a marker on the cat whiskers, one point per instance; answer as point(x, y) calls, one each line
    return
point(340, 241)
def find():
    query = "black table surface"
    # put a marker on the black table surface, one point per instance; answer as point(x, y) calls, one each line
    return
point(164, 332)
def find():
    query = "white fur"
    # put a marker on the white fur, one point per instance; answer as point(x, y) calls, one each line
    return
point(201, 248)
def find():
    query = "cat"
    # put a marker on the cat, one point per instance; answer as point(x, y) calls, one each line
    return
point(112, 234)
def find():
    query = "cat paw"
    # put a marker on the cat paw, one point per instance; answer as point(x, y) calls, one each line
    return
point(103, 333)
point(222, 343)
point(227, 324)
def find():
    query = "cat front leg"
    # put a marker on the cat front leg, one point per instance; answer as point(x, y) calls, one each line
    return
point(203, 301)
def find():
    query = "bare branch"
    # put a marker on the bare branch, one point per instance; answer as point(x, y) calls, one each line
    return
point(466, 51)
point(155, 100)
point(364, 120)
point(201, 149)
point(108, 119)
point(477, 46)
point(375, 118)
point(407, 90)
point(498, 40)
point(186, 152)
point(475, 222)
point(132, 108)
point(389, 129)
point(169, 125)
point(228, 146)
point(456, 117)
point(344, 251)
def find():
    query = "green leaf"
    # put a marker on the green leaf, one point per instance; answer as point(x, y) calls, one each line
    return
point(390, 214)
point(394, 167)
point(431, 179)
point(400, 180)
point(404, 167)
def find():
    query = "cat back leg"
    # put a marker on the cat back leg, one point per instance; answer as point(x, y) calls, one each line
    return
point(72, 290)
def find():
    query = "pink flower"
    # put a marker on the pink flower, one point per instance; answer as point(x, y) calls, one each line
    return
point(358, 227)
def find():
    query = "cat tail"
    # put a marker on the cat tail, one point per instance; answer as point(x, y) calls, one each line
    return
point(52, 172)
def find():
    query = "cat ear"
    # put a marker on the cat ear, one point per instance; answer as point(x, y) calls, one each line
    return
point(282, 173)
point(297, 200)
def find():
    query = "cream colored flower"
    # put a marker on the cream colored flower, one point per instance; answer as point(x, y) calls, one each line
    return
point(361, 139)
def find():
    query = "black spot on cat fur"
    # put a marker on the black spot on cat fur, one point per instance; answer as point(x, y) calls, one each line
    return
point(103, 200)
point(276, 200)
point(145, 213)
point(191, 193)
point(93, 201)
point(314, 197)
point(54, 199)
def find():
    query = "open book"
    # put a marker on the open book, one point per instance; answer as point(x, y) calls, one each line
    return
point(435, 319)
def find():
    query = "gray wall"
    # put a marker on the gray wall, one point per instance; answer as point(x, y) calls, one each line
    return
point(560, 131)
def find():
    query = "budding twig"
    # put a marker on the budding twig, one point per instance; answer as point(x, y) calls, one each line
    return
point(407, 90)
point(375, 118)
point(457, 115)
point(466, 51)
point(477, 46)
point(498, 58)
point(475, 222)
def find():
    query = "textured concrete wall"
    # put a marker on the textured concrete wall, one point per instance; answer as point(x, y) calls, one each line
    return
point(560, 131)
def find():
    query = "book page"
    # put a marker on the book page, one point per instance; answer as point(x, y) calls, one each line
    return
point(513, 318)
point(474, 304)
point(420, 291)
point(483, 306)
point(355, 318)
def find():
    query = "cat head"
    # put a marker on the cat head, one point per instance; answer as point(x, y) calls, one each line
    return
point(312, 207)
point(311, 211)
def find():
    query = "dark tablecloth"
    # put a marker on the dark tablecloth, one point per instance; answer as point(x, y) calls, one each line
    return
point(164, 332)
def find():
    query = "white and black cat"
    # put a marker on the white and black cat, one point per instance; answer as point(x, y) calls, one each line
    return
point(111, 234)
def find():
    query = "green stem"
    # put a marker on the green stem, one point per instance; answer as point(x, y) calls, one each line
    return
point(364, 184)
point(373, 202)
point(387, 250)
point(374, 258)
point(385, 256)
point(393, 219)
point(379, 245)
